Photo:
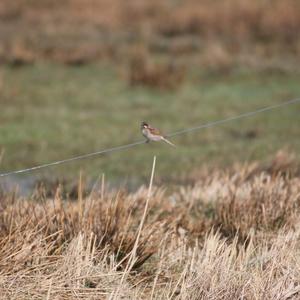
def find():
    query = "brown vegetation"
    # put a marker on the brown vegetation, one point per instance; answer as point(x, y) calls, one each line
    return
point(230, 235)
point(142, 70)
point(210, 33)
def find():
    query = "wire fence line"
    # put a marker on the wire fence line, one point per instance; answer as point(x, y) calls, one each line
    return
point(176, 133)
point(241, 116)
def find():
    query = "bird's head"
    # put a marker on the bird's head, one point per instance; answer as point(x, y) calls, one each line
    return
point(144, 125)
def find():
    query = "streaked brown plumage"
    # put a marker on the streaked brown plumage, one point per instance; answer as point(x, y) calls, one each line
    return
point(153, 134)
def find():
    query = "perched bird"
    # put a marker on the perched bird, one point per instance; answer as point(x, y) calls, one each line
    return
point(153, 134)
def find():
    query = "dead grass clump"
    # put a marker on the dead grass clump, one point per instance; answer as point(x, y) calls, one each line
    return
point(18, 54)
point(226, 271)
point(283, 164)
point(229, 236)
point(216, 57)
point(111, 224)
point(76, 32)
point(264, 204)
point(237, 20)
point(142, 70)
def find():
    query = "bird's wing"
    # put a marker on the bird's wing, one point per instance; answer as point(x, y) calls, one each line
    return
point(154, 131)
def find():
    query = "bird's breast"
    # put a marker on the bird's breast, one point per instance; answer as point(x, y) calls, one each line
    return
point(145, 132)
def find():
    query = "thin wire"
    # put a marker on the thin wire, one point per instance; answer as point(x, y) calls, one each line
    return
point(241, 116)
point(124, 147)
point(59, 162)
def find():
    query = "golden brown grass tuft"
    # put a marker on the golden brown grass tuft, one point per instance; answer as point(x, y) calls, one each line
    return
point(142, 70)
point(252, 33)
point(231, 235)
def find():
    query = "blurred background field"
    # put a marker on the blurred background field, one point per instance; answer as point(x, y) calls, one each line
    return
point(221, 220)
point(79, 76)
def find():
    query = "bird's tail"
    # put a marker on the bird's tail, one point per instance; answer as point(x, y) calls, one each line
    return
point(168, 142)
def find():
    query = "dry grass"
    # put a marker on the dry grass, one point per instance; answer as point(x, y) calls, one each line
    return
point(231, 235)
point(217, 34)
point(142, 70)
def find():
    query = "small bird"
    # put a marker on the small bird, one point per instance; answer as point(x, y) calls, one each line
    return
point(153, 134)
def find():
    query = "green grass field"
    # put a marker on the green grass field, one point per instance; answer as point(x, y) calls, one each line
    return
point(51, 112)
